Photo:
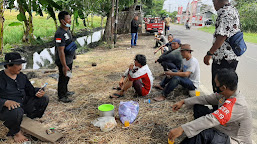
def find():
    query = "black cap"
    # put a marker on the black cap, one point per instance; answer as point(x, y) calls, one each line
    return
point(12, 58)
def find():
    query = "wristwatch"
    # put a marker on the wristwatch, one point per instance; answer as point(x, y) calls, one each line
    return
point(209, 53)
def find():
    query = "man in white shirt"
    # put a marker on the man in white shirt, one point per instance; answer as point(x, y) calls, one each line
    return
point(188, 76)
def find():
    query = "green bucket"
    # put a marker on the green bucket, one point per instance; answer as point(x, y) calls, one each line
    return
point(106, 110)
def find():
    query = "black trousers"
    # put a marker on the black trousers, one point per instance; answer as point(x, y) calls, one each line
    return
point(63, 82)
point(158, 43)
point(34, 108)
point(224, 64)
point(208, 136)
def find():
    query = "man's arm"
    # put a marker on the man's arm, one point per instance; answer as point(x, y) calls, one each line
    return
point(62, 59)
point(180, 74)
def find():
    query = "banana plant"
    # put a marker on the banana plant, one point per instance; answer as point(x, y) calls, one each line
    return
point(1, 26)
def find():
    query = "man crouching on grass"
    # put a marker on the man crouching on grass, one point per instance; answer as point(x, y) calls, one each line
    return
point(230, 124)
point(18, 97)
point(137, 75)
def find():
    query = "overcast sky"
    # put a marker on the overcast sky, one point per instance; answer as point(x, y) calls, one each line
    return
point(173, 4)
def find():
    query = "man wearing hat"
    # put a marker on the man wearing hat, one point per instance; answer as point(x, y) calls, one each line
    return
point(171, 59)
point(188, 76)
point(18, 96)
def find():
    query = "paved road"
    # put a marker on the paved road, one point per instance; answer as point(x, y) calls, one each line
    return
point(247, 67)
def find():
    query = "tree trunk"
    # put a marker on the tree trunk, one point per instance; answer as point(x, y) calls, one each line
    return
point(92, 23)
point(73, 26)
point(102, 21)
point(107, 32)
point(1, 26)
point(125, 27)
point(31, 36)
point(56, 24)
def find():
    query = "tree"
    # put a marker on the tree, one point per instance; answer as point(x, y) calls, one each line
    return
point(1, 26)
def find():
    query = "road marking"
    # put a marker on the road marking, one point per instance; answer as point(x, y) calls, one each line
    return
point(251, 58)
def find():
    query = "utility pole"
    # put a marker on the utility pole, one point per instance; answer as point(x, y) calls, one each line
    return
point(116, 21)
point(169, 8)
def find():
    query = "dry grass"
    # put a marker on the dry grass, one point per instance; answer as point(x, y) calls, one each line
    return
point(93, 85)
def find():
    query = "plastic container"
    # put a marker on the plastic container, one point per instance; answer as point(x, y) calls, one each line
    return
point(170, 142)
point(197, 92)
point(147, 101)
point(106, 110)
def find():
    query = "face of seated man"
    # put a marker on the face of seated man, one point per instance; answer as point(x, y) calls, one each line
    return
point(170, 38)
point(15, 69)
point(175, 45)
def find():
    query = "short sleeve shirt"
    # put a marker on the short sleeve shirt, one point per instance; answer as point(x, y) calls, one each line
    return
point(192, 66)
point(227, 24)
point(63, 38)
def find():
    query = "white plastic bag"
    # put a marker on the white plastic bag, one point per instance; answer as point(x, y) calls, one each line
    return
point(128, 111)
point(105, 123)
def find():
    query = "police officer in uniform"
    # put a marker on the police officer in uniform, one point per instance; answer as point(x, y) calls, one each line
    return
point(63, 59)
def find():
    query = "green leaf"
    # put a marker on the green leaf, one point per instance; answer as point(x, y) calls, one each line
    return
point(15, 24)
point(21, 17)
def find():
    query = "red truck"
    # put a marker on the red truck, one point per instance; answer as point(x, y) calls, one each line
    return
point(154, 24)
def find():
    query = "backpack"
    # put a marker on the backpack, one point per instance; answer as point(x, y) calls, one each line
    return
point(237, 43)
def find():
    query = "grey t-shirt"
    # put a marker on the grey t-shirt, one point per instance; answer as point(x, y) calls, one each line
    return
point(192, 65)
point(63, 38)
point(163, 39)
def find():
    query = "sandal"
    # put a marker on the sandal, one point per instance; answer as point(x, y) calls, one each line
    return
point(118, 96)
point(116, 88)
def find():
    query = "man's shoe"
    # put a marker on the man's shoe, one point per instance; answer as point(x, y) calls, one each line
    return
point(65, 100)
point(70, 93)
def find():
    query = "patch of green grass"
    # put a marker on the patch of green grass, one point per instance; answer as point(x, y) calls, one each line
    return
point(44, 27)
point(248, 36)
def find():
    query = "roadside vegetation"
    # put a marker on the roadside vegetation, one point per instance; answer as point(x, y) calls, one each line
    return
point(248, 36)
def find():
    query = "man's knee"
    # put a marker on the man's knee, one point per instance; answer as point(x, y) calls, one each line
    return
point(15, 115)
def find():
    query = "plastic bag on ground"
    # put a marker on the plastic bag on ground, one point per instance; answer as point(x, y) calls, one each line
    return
point(105, 123)
point(128, 111)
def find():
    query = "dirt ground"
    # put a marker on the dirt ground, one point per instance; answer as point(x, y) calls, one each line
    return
point(93, 85)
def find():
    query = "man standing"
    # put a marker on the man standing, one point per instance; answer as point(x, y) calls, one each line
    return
point(63, 59)
point(18, 97)
point(188, 76)
point(167, 21)
point(227, 24)
point(134, 29)
point(230, 124)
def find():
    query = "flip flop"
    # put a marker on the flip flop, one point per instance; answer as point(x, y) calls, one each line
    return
point(116, 88)
point(118, 96)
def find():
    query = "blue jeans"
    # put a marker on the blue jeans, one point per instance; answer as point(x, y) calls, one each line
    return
point(133, 39)
point(173, 82)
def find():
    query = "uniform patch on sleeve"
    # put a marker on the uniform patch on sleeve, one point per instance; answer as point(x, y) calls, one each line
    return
point(58, 40)
point(223, 114)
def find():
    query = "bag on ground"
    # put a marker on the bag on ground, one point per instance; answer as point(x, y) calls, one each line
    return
point(105, 123)
point(128, 111)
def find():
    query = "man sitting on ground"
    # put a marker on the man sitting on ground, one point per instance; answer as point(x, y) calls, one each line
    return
point(171, 59)
point(18, 97)
point(137, 75)
point(230, 124)
point(160, 40)
point(188, 76)
point(167, 46)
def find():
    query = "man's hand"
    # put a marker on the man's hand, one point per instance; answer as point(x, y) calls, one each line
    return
point(178, 105)
point(65, 69)
point(40, 93)
point(121, 82)
point(169, 72)
point(131, 66)
point(174, 133)
point(139, 25)
point(11, 104)
point(207, 59)
point(155, 61)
